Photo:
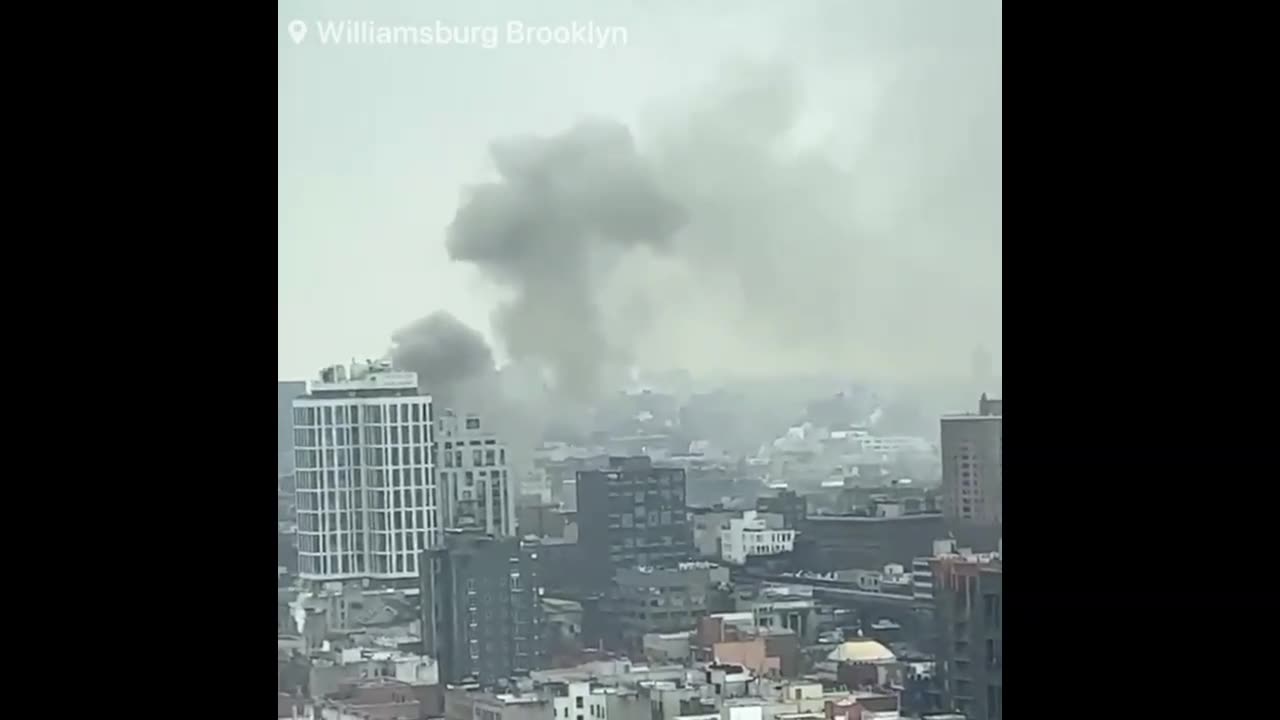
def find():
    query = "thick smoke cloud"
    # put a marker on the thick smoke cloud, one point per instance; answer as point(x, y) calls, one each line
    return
point(453, 361)
point(733, 236)
point(561, 204)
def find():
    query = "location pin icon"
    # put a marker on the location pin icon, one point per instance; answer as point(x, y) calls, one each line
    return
point(298, 29)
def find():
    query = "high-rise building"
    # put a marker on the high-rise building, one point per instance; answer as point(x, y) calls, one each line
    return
point(366, 486)
point(973, 466)
point(631, 514)
point(475, 477)
point(481, 610)
point(285, 394)
point(968, 595)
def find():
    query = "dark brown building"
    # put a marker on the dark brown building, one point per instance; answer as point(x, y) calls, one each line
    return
point(631, 514)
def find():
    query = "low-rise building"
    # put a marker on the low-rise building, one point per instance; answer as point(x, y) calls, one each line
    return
point(755, 534)
point(663, 600)
point(469, 702)
point(840, 542)
point(332, 671)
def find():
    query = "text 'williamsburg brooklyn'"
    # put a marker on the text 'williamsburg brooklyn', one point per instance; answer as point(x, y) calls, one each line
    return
point(515, 32)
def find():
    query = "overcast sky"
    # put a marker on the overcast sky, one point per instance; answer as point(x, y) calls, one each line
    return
point(377, 142)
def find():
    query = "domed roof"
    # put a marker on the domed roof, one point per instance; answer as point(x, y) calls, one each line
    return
point(864, 650)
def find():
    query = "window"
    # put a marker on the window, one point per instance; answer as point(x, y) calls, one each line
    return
point(578, 701)
point(417, 431)
point(477, 458)
point(474, 424)
point(395, 417)
point(417, 417)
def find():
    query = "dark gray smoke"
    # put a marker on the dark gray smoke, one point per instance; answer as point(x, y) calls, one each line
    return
point(563, 203)
point(453, 361)
point(739, 238)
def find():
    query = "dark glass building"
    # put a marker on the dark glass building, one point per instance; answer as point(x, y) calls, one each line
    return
point(631, 514)
point(481, 609)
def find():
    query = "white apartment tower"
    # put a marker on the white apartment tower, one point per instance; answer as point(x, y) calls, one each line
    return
point(365, 471)
point(475, 477)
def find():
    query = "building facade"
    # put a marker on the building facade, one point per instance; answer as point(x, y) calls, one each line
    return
point(969, 611)
point(791, 506)
point(286, 392)
point(475, 478)
point(631, 514)
point(662, 600)
point(481, 611)
point(752, 535)
point(365, 476)
point(973, 466)
point(843, 542)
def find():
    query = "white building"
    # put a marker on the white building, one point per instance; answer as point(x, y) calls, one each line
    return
point(751, 535)
point(366, 485)
point(581, 702)
point(475, 477)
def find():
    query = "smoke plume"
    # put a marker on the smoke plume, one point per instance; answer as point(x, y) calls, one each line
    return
point(453, 361)
point(562, 204)
point(732, 236)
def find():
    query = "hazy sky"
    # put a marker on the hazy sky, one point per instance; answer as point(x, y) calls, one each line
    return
point(377, 142)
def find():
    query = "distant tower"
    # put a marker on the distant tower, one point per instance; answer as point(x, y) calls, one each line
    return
point(973, 466)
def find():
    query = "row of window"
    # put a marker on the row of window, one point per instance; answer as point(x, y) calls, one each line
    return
point(378, 543)
point(378, 521)
point(378, 499)
point(491, 457)
point(351, 414)
point(630, 481)
point(632, 542)
point(371, 456)
point(342, 437)
point(356, 565)
point(469, 479)
point(350, 478)
point(655, 518)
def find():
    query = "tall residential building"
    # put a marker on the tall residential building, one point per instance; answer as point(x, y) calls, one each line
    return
point(285, 394)
point(973, 466)
point(366, 485)
point(475, 478)
point(968, 594)
point(481, 610)
point(631, 514)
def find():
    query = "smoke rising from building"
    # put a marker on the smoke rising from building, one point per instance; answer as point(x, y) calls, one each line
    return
point(452, 359)
point(540, 231)
point(730, 235)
